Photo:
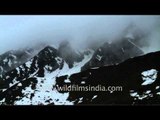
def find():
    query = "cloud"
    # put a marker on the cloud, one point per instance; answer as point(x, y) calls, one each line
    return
point(22, 31)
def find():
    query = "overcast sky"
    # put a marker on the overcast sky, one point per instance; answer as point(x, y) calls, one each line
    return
point(22, 31)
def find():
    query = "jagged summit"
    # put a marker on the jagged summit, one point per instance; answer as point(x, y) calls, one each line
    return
point(113, 53)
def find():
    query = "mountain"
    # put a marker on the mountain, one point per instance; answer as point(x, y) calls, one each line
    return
point(13, 59)
point(113, 53)
point(33, 81)
point(138, 78)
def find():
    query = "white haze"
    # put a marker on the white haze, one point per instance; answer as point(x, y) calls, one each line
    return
point(23, 31)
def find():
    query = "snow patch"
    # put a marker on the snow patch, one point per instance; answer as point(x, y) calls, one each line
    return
point(59, 60)
point(3, 90)
point(94, 97)
point(19, 84)
point(18, 97)
point(141, 97)
point(5, 60)
point(80, 100)
point(148, 91)
point(1, 68)
point(18, 70)
point(13, 83)
point(7, 77)
point(47, 67)
point(157, 87)
point(83, 82)
point(94, 67)
point(14, 57)
point(67, 81)
point(22, 68)
point(158, 93)
point(2, 101)
point(99, 57)
point(77, 66)
point(28, 64)
point(149, 76)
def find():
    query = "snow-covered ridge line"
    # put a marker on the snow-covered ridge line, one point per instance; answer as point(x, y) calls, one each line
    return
point(44, 93)
point(44, 67)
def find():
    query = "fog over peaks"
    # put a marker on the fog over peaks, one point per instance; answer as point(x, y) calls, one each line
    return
point(81, 31)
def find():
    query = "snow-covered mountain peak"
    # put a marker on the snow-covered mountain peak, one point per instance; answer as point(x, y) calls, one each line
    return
point(37, 77)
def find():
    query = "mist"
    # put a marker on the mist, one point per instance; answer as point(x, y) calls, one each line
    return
point(22, 31)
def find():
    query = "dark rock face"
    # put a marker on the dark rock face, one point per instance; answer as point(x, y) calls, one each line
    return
point(47, 57)
point(15, 92)
point(114, 53)
point(128, 75)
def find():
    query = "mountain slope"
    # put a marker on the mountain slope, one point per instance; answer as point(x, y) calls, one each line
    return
point(35, 82)
point(113, 53)
point(12, 59)
point(139, 77)
point(32, 82)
